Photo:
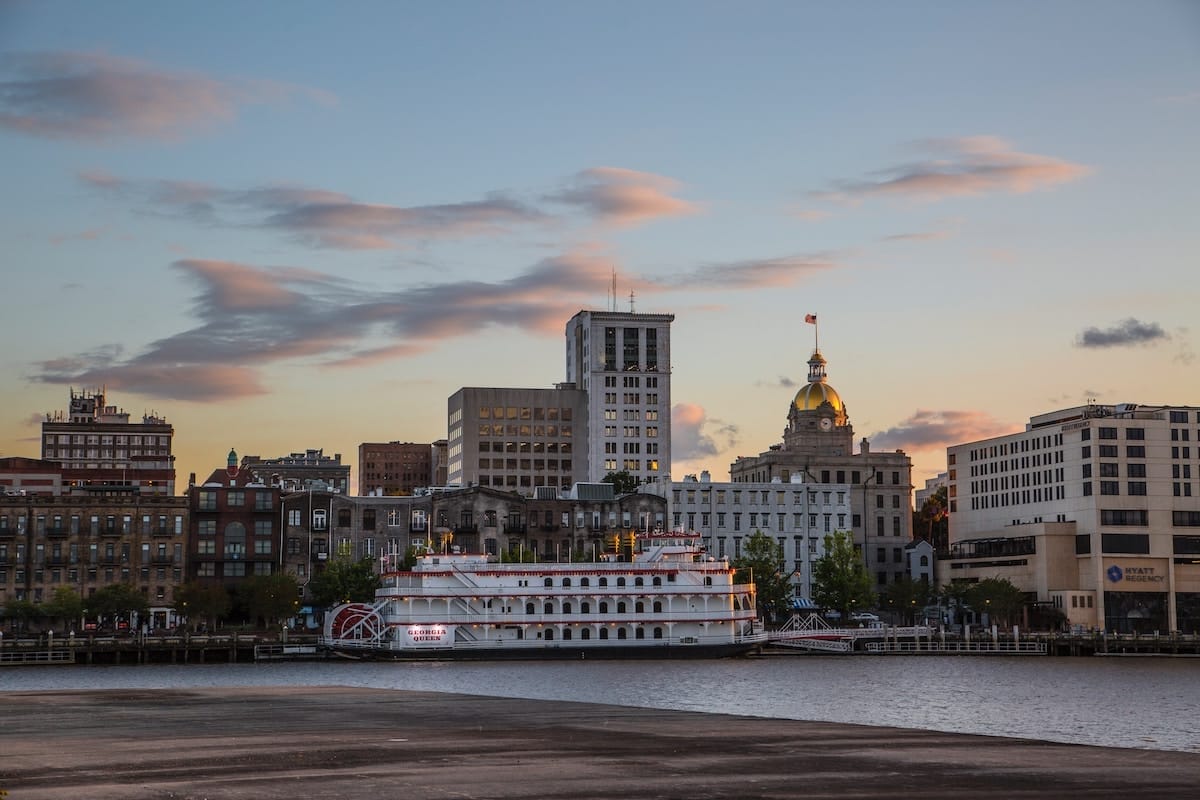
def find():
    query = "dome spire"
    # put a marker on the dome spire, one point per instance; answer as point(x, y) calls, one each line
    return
point(816, 367)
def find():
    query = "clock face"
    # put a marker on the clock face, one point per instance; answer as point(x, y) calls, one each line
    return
point(826, 423)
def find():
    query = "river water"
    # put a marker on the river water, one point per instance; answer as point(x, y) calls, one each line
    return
point(1149, 703)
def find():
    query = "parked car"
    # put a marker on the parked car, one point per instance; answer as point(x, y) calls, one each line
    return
point(864, 616)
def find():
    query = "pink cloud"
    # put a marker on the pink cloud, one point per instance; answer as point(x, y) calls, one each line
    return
point(935, 430)
point(100, 97)
point(624, 197)
point(964, 166)
point(235, 287)
point(692, 433)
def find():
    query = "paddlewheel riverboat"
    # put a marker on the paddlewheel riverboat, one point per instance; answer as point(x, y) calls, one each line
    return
point(657, 595)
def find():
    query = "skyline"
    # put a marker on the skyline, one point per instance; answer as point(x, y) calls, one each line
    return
point(300, 227)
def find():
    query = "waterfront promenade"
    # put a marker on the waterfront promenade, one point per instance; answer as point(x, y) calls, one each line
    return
point(368, 743)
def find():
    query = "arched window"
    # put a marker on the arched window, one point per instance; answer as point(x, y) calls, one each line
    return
point(548, 608)
point(548, 582)
point(585, 607)
point(586, 633)
point(549, 635)
point(658, 580)
point(621, 607)
point(604, 633)
point(529, 608)
point(639, 634)
point(620, 581)
point(924, 561)
point(584, 582)
point(604, 581)
point(566, 608)
point(658, 633)
point(566, 582)
point(621, 634)
point(639, 581)
point(639, 607)
point(566, 634)
point(603, 607)
point(657, 606)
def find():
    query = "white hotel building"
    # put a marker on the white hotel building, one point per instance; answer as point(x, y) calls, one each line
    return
point(1094, 510)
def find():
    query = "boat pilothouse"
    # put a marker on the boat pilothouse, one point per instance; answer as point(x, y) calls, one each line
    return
point(650, 594)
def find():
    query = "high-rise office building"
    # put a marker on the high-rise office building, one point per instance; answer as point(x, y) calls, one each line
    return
point(622, 362)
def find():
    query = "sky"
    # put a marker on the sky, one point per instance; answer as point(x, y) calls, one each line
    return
point(300, 225)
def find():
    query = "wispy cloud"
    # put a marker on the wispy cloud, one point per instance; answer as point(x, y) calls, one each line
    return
point(623, 197)
point(918, 236)
point(1127, 332)
point(101, 97)
point(963, 166)
point(248, 317)
point(751, 273)
point(782, 382)
point(694, 435)
point(929, 430)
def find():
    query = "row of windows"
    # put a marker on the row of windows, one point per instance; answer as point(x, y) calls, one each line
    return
point(565, 431)
point(1020, 497)
point(525, 413)
point(1021, 446)
point(537, 464)
point(106, 439)
point(111, 523)
point(206, 499)
point(603, 581)
point(763, 521)
point(525, 448)
point(763, 497)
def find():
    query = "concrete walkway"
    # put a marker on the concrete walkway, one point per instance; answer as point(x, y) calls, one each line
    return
point(359, 743)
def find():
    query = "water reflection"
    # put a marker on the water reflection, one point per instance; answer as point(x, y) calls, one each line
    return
point(1123, 702)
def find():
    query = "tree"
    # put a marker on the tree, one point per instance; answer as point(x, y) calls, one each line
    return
point(22, 612)
point(761, 562)
point(66, 605)
point(522, 555)
point(208, 602)
point(906, 596)
point(269, 598)
point(931, 521)
point(840, 581)
point(999, 598)
point(345, 581)
point(119, 600)
point(623, 482)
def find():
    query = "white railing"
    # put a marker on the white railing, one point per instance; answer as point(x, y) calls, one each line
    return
point(1009, 648)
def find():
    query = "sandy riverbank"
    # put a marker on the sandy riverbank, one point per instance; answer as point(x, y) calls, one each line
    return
point(365, 743)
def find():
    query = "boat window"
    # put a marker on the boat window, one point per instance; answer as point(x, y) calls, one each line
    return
point(657, 580)
point(585, 608)
point(621, 607)
point(640, 634)
point(604, 581)
point(548, 582)
point(566, 581)
point(604, 633)
point(639, 608)
point(620, 581)
point(621, 634)
point(548, 608)
point(658, 633)
point(549, 635)
point(603, 607)
point(584, 582)
point(566, 608)
point(708, 580)
point(529, 608)
point(639, 582)
point(567, 633)
point(657, 607)
point(586, 633)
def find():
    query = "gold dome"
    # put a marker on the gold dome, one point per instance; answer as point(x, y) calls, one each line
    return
point(811, 396)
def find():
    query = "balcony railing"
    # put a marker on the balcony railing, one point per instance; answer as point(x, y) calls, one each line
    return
point(162, 532)
point(56, 532)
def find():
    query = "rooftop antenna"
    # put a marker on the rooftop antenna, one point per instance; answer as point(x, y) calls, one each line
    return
point(613, 297)
point(631, 301)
